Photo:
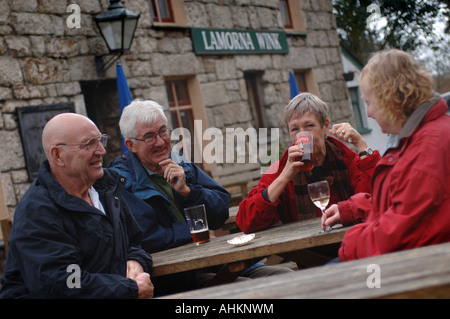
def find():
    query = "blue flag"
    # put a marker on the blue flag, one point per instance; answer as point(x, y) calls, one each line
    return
point(124, 94)
point(293, 85)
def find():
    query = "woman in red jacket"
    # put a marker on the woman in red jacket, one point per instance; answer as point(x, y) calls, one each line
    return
point(282, 194)
point(410, 202)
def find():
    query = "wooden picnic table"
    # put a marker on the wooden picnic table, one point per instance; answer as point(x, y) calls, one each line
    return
point(417, 273)
point(287, 240)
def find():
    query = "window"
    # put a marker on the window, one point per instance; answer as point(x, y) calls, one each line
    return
point(356, 108)
point(285, 14)
point(292, 15)
point(253, 82)
point(306, 81)
point(168, 12)
point(180, 108)
point(161, 10)
point(300, 77)
point(183, 111)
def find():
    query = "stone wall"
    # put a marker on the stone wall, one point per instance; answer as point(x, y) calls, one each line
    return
point(42, 61)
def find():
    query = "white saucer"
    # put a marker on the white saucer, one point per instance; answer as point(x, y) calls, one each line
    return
point(241, 240)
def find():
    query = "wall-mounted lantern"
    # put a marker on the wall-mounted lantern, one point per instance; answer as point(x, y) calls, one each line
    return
point(117, 26)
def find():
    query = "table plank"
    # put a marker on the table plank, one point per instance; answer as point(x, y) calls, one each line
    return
point(279, 239)
point(417, 273)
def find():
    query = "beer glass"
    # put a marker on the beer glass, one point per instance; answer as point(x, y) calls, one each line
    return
point(306, 140)
point(198, 224)
point(319, 193)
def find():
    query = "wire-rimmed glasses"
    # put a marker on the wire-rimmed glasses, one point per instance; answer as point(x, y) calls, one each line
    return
point(91, 143)
point(150, 138)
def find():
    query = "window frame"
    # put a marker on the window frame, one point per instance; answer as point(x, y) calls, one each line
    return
point(356, 108)
point(192, 105)
point(177, 10)
point(309, 78)
point(253, 83)
point(284, 4)
point(155, 10)
point(296, 16)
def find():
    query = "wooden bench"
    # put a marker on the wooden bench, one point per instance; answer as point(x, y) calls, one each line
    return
point(238, 180)
point(6, 226)
point(230, 225)
point(5, 219)
point(417, 273)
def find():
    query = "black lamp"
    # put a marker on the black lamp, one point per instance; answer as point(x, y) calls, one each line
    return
point(117, 26)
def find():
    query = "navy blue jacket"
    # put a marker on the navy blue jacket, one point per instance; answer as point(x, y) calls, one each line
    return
point(53, 230)
point(151, 208)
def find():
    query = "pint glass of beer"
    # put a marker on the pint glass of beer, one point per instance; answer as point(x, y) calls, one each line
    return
point(198, 225)
point(306, 139)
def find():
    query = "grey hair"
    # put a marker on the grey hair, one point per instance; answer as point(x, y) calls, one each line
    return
point(139, 112)
point(306, 102)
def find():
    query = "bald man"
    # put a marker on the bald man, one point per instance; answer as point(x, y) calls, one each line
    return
point(73, 236)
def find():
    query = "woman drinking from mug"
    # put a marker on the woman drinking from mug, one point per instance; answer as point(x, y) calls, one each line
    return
point(282, 195)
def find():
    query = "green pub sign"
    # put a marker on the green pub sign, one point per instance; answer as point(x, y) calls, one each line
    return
point(220, 41)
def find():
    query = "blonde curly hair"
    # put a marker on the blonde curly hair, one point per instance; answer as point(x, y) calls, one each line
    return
point(398, 83)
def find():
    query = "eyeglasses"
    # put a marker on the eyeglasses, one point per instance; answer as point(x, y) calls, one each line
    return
point(150, 138)
point(91, 143)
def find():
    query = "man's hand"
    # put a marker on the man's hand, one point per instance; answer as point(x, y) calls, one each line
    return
point(145, 286)
point(136, 272)
point(174, 174)
point(134, 268)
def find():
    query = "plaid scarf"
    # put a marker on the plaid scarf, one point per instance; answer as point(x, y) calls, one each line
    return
point(332, 170)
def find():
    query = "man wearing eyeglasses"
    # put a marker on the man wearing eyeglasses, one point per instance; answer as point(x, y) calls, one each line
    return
point(161, 184)
point(73, 235)
point(160, 187)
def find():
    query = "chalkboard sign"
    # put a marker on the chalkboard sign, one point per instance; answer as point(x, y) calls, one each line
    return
point(32, 120)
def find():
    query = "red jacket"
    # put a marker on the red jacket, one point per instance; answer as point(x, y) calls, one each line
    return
point(410, 202)
point(255, 213)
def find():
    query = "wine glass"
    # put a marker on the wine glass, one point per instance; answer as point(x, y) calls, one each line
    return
point(319, 192)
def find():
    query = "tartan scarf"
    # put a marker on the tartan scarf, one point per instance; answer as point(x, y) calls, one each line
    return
point(333, 169)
